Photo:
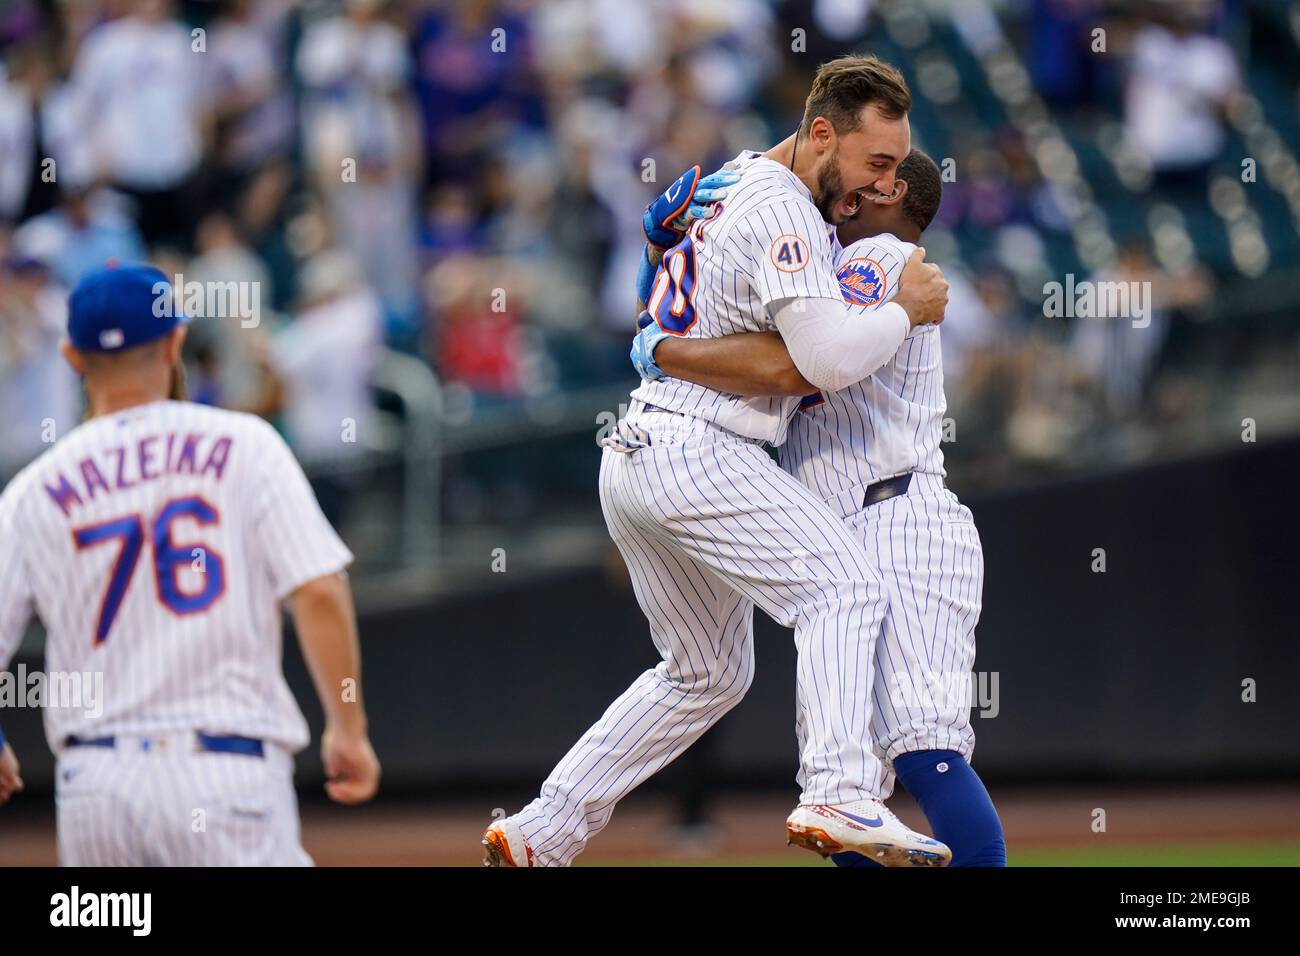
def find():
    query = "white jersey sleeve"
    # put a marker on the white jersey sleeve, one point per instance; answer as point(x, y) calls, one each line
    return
point(831, 346)
point(890, 422)
point(15, 589)
point(868, 271)
point(791, 251)
point(296, 540)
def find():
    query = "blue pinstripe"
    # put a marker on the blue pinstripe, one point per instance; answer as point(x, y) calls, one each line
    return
point(888, 424)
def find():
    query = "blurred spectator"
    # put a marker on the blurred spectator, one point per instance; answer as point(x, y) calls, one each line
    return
point(1061, 59)
point(476, 171)
point(974, 329)
point(39, 394)
point(358, 132)
point(253, 107)
point(1115, 355)
point(27, 181)
point(143, 111)
point(480, 342)
point(86, 230)
point(227, 350)
point(471, 91)
point(324, 360)
point(450, 222)
point(1180, 81)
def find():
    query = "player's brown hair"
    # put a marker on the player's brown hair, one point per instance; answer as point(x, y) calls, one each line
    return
point(846, 84)
point(924, 188)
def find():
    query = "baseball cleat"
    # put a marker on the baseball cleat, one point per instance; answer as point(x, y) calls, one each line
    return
point(504, 845)
point(867, 827)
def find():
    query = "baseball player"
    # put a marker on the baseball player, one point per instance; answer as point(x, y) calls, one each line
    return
point(155, 541)
point(872, 452)
point(709, 525)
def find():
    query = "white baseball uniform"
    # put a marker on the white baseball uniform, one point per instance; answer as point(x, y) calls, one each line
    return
point(923, 543)
point(156, 544)
point(709, 525)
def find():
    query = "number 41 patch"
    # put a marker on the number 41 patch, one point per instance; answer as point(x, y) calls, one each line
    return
point(789, 253)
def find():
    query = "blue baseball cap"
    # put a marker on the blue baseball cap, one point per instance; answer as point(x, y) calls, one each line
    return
point(118, 307)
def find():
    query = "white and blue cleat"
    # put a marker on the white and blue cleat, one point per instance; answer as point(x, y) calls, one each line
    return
point(867, 827)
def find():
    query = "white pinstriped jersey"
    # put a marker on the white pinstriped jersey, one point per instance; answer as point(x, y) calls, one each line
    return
point(155, 544)
point(765, 243)
point(890, 422)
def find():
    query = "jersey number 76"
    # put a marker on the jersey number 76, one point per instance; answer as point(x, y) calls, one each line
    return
point(168, 558)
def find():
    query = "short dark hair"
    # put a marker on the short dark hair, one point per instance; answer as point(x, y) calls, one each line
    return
point(846, 84)
point(135, 355)
point(924, 188)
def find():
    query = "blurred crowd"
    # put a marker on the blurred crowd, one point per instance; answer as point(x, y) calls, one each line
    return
point(462, 181)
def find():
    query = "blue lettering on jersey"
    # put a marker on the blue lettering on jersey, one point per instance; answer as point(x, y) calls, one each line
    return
point(672, 303)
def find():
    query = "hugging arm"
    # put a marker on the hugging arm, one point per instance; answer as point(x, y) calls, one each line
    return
point(820, 346)
point(823, 343)
point(752, 363)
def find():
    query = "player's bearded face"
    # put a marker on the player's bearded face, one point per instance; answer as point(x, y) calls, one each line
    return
point(830, 189)
point(836, 205)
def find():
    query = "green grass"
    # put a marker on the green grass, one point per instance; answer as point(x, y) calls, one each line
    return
point(1225, 854)
point(1213, 854)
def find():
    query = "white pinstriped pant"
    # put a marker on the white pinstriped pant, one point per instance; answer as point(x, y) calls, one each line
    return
point(925, 546)
point(126, 806)
point(709, 526)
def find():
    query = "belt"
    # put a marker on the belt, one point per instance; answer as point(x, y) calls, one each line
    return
point(210, 743)
point(640, 438)
point(884, 490)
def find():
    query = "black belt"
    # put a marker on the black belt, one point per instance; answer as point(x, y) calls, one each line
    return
point(884, 490)
point(211, 743)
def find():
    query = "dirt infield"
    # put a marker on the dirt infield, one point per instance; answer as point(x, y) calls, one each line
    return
point(749, 828)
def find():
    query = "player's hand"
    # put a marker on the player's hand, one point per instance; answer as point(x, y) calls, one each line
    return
point(351, 767)
point(922, 291)
point(643, 349)
point(709, 191)
point(10, 780)
point(690, 197)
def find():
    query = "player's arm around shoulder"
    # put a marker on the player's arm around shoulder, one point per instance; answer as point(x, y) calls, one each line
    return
point(796, 274)
point(795, 277)
point(750, 363)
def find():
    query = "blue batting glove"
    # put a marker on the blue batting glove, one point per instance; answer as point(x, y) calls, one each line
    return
point(645, 276)
point(667, 206)
point(713, 188)
point(643, 348)
point(689, 197)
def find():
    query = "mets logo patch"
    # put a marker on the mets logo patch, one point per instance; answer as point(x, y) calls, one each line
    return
point(862, 281)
